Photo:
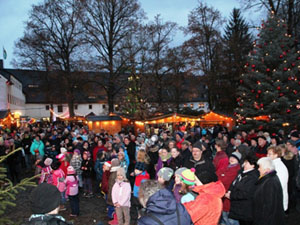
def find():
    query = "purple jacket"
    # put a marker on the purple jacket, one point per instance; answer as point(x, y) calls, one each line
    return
point(160, 164)
point(121, 193)
point(176, 193)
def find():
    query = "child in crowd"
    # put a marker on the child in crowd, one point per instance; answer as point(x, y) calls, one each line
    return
point(164, 177)
point(121, 193)
point(115, 165)
point(141, 176)
point(105, 178)
point(46, 173)
point(38, 164)
point(177, 185)
point(100, 160)
point(163, 160)
point(123, 163)
point(87, 168)
point(72, 190)
point(63, 162)
point(58, 181)
point(76, 162)
point(188, 181)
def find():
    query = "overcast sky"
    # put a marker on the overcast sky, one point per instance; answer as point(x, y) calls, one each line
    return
point(14, 13)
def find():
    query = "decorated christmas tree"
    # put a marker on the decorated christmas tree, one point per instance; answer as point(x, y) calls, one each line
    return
point(268, 94)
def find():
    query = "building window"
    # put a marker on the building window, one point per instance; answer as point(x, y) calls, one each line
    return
point(103, 106)
point(90, 106)
point(47, 107)
point(59, 108)
point(75, 107)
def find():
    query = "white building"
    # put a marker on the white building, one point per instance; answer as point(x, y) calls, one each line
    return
point(12, 97)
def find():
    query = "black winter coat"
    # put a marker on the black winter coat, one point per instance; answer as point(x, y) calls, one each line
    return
point(268, 201)
point(162, 205)
point(205, 170)
point(176, 163)
point(47, 220)
point(241, 197)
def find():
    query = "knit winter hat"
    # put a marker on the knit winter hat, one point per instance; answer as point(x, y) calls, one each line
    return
point(165, 173)
point(63, 150)
point(236, 155)
point(115, 162)
point(180, 134)
point(44, 198)
point(71, 170)
point(77, 151)
point(188, 176)
point(108, 163)
point(48, 161)
point(180, 170)
point(140, 166)
point(198, 145)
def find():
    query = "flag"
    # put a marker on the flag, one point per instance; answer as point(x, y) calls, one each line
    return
point(4, 53)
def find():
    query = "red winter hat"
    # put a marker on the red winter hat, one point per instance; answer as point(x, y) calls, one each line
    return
point(108, 163)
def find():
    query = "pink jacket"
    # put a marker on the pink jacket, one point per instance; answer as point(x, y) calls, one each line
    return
point(121, 193)
point(58, 179)
point(72, 185)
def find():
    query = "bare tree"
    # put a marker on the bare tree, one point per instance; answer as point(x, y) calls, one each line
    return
point(205, 46)
point(108, 23)
point(52, 41)
point(160, 34)
point(286, 9)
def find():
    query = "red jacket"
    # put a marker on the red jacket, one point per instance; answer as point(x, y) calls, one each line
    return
point(104, 183)
point(96, 150)
point(220, 161)
point(178, 144)
point(207, 207)
point(227, 176)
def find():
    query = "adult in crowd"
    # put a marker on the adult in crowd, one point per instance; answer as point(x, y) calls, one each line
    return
point(268, 197)
point(261, 148)
point(37, 145)
point(45, 200)
point(275, 153)
point(185, 151)
point(242, 190)
point(160, 206)
point(221, 159)
point(226, 176)
point(204, 167)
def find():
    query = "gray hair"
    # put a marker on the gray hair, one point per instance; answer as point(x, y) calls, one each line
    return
point(147, 189)
point(266, 163)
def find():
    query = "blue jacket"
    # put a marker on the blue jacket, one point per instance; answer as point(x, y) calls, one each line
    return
point(162, 205)
point(37, 145)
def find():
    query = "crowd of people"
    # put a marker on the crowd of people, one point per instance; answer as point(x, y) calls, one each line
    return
point(193, 175)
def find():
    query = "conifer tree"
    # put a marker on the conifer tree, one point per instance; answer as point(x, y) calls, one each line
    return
point(271, 85)
point(8, 190)
point(237, 44)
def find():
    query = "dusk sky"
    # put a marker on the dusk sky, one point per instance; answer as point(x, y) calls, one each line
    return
point(14, 13)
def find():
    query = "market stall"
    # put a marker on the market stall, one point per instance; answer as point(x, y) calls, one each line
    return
point(111, 124)
point(212, 119)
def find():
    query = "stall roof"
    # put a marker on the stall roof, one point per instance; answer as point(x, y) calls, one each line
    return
point(170, 115)
point(103, 118)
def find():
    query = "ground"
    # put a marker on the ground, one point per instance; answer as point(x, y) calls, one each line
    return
point(92, 211)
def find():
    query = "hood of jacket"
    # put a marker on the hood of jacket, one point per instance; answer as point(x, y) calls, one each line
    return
point(161, 202)
point(213, 188)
